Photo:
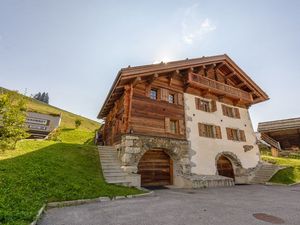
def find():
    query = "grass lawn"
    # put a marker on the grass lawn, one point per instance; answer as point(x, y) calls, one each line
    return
point(41, 171)
point(286, 176)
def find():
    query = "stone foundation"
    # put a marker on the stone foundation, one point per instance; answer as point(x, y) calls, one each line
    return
point(133, 147)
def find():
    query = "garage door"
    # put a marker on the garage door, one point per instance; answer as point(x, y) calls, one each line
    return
point(155, 168)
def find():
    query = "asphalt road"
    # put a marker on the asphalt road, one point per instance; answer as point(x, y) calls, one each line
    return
point(239, 205)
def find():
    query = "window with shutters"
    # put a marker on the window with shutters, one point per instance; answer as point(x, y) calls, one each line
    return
point(206, 106)
point(210, 131)
point(235, 134)
point(174, 126)
point(153, 94)
point(230, 111)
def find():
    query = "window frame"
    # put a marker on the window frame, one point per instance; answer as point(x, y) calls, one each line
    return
point(173, 98)
point(153, 90)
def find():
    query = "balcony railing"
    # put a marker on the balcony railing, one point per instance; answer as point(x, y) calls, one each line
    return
point(219, 88)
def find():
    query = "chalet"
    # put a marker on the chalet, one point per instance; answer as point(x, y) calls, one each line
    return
point(281, 134)
point(184, 123)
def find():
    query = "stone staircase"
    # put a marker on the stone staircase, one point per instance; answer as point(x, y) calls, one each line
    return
point(264, 173)
point(111, 166)
point(209, 181)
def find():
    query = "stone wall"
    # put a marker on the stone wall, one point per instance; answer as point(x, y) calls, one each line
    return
point(133, 147)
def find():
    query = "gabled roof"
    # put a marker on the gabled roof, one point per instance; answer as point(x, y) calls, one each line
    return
point(127, 75)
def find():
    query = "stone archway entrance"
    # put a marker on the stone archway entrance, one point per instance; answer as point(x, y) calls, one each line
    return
point(224, 167)
point(156, 168)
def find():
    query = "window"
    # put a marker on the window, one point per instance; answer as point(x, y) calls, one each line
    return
point(153, 94)
point(171, 98)
point(235, 134)
point(205, 105)
point(210, 131)
point(173, 126)
point(230, 111)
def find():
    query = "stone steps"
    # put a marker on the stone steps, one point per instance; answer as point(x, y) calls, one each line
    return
point(264, 173)
point(111, 166)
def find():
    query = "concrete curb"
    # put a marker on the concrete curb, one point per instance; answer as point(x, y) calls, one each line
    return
point(38, 215)
point(84, 201)
point(278, 184)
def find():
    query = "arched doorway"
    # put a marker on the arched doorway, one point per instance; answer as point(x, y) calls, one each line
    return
point(155, 168)
point(224, 167)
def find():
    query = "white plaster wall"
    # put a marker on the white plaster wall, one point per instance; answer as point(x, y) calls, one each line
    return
point(204, 150)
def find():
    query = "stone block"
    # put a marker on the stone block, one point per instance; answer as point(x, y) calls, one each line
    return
point(130, 169)
point(132, 150)
point(132, 138)
point(128, 143)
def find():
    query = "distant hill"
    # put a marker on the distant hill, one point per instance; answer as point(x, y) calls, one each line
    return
point(68, 118)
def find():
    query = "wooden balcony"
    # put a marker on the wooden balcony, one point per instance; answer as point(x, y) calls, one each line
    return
point(219, 88)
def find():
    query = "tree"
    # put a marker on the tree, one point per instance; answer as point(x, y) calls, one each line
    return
point(46, 98)
point(77, 123)
point(43, 97)
point(12, 120)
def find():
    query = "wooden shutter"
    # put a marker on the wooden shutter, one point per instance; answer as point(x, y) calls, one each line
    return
point(201, 128)
point(224, 110)
point(167, 125)
point(237, 113)
point(229, 134)
point(197, 102)
point(242, 135)
point(147, 90)
point(218, 132)
point(180, 99)
point(181, 127)
point(164, 94)
point(213, 106)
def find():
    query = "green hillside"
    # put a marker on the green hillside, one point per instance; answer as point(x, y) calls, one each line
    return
point(67, 167)
point(67, 117)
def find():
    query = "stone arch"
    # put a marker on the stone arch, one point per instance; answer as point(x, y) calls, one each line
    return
point(178, 150)
point(235, 161)
point(231, 156)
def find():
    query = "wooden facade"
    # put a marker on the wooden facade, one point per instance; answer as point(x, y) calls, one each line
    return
point(149, 100)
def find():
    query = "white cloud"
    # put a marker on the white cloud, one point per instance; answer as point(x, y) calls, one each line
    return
point(194, 27)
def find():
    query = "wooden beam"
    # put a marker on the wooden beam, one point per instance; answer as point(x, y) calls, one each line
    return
point(152, 78)
point(230, 75)
point(136, 81)
point(240, 85)
point(172, 75)
point(219, 65)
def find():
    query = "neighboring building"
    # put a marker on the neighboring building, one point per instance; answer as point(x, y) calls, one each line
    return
point(41, 125)
point(286, 133)
point(175, 121)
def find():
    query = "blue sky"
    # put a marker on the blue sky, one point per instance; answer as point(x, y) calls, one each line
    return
point(73, 49)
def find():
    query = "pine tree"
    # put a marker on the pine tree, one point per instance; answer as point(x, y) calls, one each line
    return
point(42, 99)
point(47, 98)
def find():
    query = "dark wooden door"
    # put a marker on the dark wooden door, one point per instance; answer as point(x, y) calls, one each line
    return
point(224, 167)
point(155, 168)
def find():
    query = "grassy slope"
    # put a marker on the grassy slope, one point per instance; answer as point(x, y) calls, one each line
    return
point(41, 171)
point(286, 176)
point(68, 118)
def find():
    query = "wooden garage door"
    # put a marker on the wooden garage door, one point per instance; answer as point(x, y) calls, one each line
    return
point(224, 167)
point(155, 168)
